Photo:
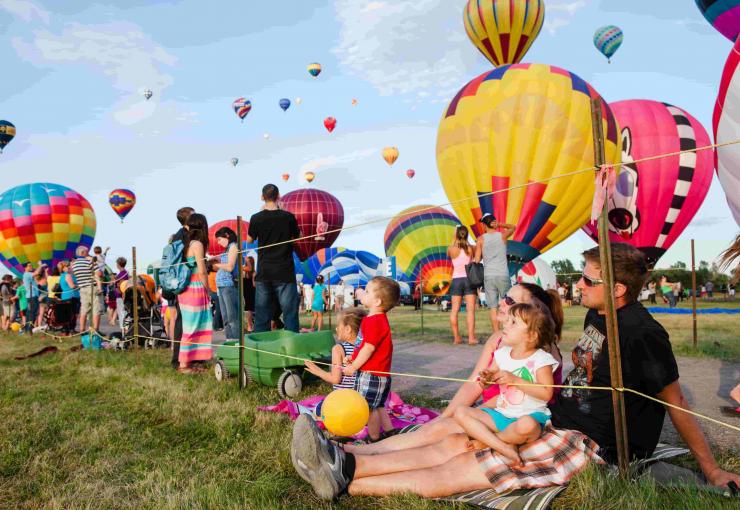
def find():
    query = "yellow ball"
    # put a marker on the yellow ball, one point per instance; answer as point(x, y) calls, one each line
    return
point(15, 327)
point(344, 412)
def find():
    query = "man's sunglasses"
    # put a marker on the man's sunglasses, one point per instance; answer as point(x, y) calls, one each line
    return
point(590, 282)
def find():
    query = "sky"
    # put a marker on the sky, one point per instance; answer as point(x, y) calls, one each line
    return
point(74, 73)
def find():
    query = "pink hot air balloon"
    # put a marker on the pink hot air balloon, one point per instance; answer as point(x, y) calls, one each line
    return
point(319, 214)
point(655, 200)
point(726, 125)
point(410, 173)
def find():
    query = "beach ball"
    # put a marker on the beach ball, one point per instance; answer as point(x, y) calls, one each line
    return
point(15, 327)
point(344, 412)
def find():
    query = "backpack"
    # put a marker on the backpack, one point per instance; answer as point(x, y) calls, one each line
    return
point(173, 276)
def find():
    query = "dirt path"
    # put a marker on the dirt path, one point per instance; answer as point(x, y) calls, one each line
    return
point(705, 382)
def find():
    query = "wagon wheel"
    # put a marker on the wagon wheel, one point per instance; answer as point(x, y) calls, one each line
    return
point(246, 377)
point(289, 385)
point(220, 371)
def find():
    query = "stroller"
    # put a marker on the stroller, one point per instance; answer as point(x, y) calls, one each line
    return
point(149, 313)
point(60, 317)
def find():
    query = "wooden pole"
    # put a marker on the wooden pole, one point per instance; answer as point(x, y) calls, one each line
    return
point(607, 274)
point(240, 287)
point(329, 308)
point(421, 303)
point(135, 289)
point(693, 291)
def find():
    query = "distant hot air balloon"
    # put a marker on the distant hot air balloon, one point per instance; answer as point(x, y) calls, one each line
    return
point(354, 102)
point(43, 222)
point(418, 237)
point(215, 249)
point(506, 128)
point(266, 136)
point(724, 15)
point(410, 173)
point(309, 176)
point(286, 177)
point(607, 40)
point(234, 161)
point(319, 263)
point(298, 100)
point(319, 215)
point(539, 273)
point(655, 200)
point(284, 103)
point(503, 30)
point(390, 155)
point(122, 201)
point(314, 69)
point(241, 107)
point(726, 126)
point(7, 133)
point(148, 94)
point(330, 123)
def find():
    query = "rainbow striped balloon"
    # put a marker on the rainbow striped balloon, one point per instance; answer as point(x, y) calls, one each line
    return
point(608, 39)
point(43, 222)
point(724, 15)
point(242, 106)
point(122, 201)
point(418, 237)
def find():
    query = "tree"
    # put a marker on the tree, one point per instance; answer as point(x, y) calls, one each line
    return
point(564, 266)
point(679, 265)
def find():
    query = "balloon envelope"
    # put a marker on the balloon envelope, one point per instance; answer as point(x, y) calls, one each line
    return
point(309, 176)
point(723, 15)
point(284, 103)
point(503, 30)
point(330, 123)
point(7, 133)
point(608, 39)
point(43, 222)
point(285, 177)
point(418, 237)
point(390, 155)
point(234, 161)
point(215, 249)
point(726, 126)
point(507, 128)
point(539, 273)
point(314, 69)
point(148, 94)
point(122, 201)
point(319, 215)
point(655, 200)
point(410, 173)
point(242, 106)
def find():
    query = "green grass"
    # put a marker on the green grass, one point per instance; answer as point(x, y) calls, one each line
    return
point(122, 430)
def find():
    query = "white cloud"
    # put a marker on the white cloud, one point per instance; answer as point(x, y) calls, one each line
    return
point(327, 161)
point(405, 47)
point(560, 14)
point(25, 10)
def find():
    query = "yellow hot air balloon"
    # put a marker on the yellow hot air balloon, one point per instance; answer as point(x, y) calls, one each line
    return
point(503, 30)
point(514, 125)
point(390, 155)
point(309, 176)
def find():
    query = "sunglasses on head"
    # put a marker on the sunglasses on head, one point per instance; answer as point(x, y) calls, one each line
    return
point(590, 282)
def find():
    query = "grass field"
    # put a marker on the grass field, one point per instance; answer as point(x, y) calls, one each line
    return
point(122, 430)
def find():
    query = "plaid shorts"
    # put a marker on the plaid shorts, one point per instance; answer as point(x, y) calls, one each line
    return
point(374, 388)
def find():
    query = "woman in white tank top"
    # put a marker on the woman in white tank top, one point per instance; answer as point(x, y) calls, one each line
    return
point(461, 252)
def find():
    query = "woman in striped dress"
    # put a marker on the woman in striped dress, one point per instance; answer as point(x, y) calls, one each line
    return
point(194, 301)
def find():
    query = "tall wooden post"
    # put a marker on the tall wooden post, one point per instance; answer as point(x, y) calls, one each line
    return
point(421, 303)
point(693, 291)
point(607, 274)
point(240, 287)
point(328, 290)
point(135, 289)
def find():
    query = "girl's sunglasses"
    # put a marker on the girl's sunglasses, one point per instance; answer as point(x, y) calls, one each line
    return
point(590, 282)
point(509, 301)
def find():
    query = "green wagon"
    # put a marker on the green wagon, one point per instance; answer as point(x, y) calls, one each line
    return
point(269, 369)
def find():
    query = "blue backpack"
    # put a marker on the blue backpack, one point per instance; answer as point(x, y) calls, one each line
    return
point(173, 275)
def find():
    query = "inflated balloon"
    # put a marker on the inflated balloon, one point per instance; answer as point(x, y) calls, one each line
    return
point(241, 107)
point(354, 102)
point(309, 176)
point(234, 161)
point(418, 237)
point(148, 94)
point(215, 249)
point(319, 215)
point(122, 201)
point(319, 263)
point(344, 412)
point(607, 40)
point(43, 222)
point(512, 126)
point(330, 123)
point(503, 30)
point(266, 136)
point(284, 103)
point(410, 173)
point(723, 15)
point(285, 177)
point(655, 200)
point(539, 273)
point(298, 100)
point(726, 126)
point(390, 155)
point(7, 133)
point(314, 69)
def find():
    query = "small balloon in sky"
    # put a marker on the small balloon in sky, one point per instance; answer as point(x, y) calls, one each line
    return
point(234, 161)
point(241, 107)
point(607, 40)
point(7, 133)
point(314, 69)
point(410, 173)
point(330, 123)
point(286, 177)
point(354, 102)
point(309, 176)
point(298, 100)
point(390, 155)
point(284, 103)
point(148, 94)
point(266, 136)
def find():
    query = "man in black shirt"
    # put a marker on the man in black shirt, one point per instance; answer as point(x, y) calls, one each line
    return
point(275, 268)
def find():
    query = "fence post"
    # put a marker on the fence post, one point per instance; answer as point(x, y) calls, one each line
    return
point(240, 287)
point(421, 304)
point(135, 289)
point(693, 292)
point(329, 308)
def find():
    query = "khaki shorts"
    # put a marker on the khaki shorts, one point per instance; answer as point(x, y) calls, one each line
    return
point(94, 302)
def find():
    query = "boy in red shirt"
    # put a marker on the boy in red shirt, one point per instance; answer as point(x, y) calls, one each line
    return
point(374, 352)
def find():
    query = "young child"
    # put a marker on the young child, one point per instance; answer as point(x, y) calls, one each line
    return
point(520, 413)
point(348, 327)
point(100, 258)
point(319, 303)
point(374, 352)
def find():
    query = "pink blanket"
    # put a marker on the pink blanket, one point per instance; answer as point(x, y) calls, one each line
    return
point(401, 414)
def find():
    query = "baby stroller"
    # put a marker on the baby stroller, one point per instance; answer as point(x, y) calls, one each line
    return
point(149, 313)
point(60, 317)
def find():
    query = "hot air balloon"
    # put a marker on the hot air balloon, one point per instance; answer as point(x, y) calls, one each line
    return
point(214, 248)
point(314, 69)
point(285, 177)
point(354, 102)
point(319, 215)
point(726, 126)
point(319, 263)
point(122, 201)
point(234, 161)
point(241, 107)
point(507, 128)
point(284, 103)
point(309, 176)
point(418, 237)
point(148, 94)
point(723, 15)
point(330, 123)
point(538, 272)
point(7, 133)
point(655, 200)
point(298, 100)
point(390, 155)
point(503, 30)
point(410, 173)
point(266, 136)
point(607, 40)
point(43, 222)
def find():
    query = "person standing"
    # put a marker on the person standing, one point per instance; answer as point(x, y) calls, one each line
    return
point(491, 251)
point(249, 291)
point(461, 252)
point(666, 288)
point(227, 280)
point(651, 291)
point(274, 230)
point(417, 295)
point(218, 322)
point(121, 276)
point(319, 304)
point(710, 289)
point(89, 286)
point(32, 292)
point(174, 325)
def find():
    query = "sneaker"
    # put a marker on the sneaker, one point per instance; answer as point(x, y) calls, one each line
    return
point(317, 460)
point(329, 481)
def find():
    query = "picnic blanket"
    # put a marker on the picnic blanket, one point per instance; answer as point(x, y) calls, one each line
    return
point(401, 413)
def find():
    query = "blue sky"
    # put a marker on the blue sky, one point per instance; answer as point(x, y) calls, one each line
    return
point(73, 73)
